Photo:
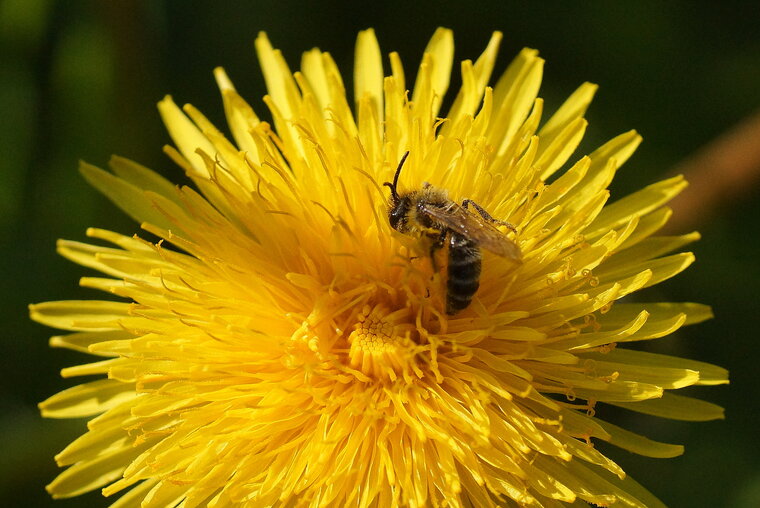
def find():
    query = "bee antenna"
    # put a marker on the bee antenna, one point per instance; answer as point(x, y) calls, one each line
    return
point(392, 186)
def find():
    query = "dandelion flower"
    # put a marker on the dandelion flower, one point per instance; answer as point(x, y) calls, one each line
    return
point(282, 345)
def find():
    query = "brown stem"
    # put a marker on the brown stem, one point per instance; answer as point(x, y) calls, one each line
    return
point(722, 172)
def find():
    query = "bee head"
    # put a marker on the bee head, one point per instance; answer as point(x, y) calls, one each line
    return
point(399, 206)
point(398, 212)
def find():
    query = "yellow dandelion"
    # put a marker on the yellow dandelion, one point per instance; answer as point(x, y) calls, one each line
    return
point(283, 345)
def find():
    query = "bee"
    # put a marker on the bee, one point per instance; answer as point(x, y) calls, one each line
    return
point(429, 213)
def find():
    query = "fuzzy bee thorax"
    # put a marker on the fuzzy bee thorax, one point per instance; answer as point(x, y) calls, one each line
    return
point(407, 216)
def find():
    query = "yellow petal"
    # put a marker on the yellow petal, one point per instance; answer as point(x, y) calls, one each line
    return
point(639, 444)
point(591, 455)
point(626, 491)
point(284, 99)
point(93, 443)
point(607, 336)
point(279, 80)
point(368, 73)
point(240, 116)
point(662, 268)
point(89, 369)
point(474, 80)
point(669, 378)
point(676, 407)
point(87, 399)
point(637, 204)
point(313, 69)
point(555, 192)
point(81, 341)
point(513, 97)
point(648, 249)
point(708, 374)
point(621, 313)
point(571, 110)
point(185, 135)
point(135, 495)
point(435, 72)
point(648, 224)
point(89, 475)
point(131, 199)
point(80, 315)
point(604, 163)
point(141, 177)
point(552, 154)
point(653, 327)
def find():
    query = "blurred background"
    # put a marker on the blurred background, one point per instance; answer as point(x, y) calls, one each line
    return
point(80, 79)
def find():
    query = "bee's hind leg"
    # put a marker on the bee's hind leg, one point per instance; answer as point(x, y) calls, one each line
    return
point(487, 216)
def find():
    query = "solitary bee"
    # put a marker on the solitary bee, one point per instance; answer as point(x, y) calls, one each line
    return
point(430, 213)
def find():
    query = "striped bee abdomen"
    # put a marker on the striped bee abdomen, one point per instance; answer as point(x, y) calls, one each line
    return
point(463, 273)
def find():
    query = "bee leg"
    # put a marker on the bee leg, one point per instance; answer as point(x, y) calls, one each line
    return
point(487, 216)
point(437, 244)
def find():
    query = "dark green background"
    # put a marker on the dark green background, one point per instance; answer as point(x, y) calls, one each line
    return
point(80, 79)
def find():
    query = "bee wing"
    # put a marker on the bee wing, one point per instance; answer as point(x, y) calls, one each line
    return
point(474, 227)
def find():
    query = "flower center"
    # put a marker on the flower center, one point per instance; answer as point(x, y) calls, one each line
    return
point(380, 345)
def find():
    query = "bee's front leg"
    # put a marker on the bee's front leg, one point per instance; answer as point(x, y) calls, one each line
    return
point(487, 216)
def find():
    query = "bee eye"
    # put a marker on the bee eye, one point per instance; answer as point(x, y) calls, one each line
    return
point(395, 217)
point(397, 214)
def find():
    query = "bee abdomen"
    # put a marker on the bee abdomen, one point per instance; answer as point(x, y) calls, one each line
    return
point(463, 274)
